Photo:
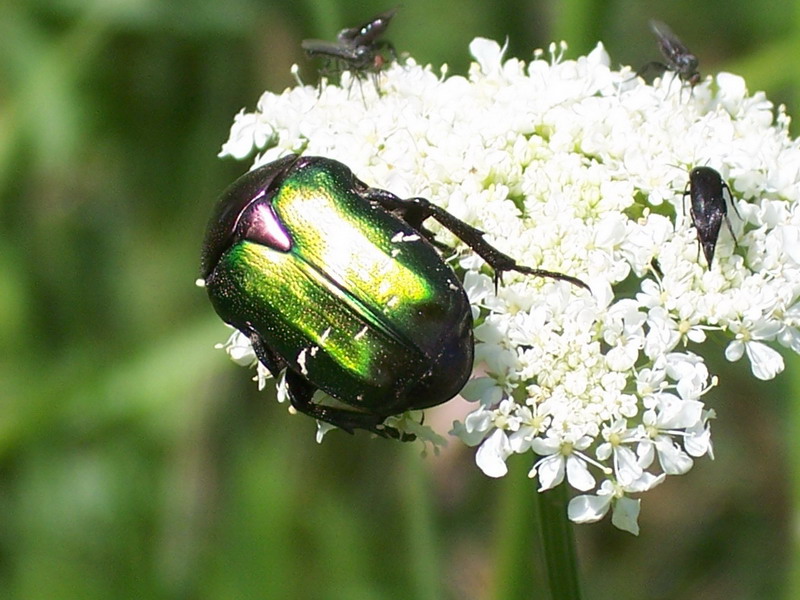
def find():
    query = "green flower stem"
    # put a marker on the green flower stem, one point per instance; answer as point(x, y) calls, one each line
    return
point(417, 493)
point(559, 544)
point(793, 432)
point(535, 550)
point(517, 529)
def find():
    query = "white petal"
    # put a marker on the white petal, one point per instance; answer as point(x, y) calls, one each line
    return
point(699, 444)
point(521, 439)
point(791, 242)
point(626, 466)
point(731, 86)
point(488, 54)
point(262, 375)
point(734, 350)
point(622, 358)
point(676, 413)
point(470, 436)
point(646, 482)
point(604, 451)
point(578, 474)
point(698, 336)
point(482, 388)
point(282, 388)
point(765, 362)
point(790, 337)
point(491, 456)
point(545, 446)
point(673, 460)
point(248, 132)
point(550, 471)
point(626, 515)
point(322, 429)
point(646, 453)
point(588, 509)
point(599, 56)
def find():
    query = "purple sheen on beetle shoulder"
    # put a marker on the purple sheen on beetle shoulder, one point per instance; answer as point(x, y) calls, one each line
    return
point(261, 224)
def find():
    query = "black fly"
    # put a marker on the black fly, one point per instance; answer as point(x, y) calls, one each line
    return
point(356, 49)
point(677, 56)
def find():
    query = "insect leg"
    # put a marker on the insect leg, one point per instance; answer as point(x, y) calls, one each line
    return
point(416, 210)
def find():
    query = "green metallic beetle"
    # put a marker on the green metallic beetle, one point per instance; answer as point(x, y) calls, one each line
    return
point(340, 285)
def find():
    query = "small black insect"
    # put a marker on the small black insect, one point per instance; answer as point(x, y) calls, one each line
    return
point(706, 190)
point(357, 49)
point(677, 56)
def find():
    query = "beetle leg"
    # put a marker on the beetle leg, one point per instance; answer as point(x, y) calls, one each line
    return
point(431, 237)
point(728, 223)
point(730, 199)
point(415, 210)
point(269, 359)
point(301, 392)
point(696, 229)
point(736, 210)
point(692, 215)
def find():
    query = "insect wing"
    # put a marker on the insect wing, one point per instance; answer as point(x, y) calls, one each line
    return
point(367, 33)
point(332, 49)
point(677, 54)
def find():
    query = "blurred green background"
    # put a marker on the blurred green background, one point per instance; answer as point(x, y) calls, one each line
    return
point(137, 462)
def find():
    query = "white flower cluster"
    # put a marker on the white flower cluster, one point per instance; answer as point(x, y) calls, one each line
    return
point(570, 166)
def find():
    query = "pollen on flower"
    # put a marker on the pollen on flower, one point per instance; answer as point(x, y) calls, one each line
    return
point(570, 166)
